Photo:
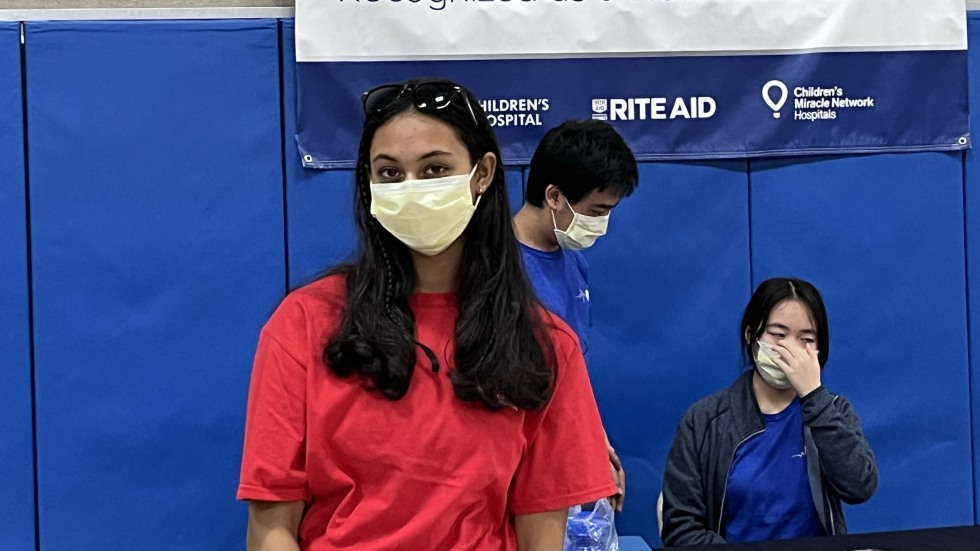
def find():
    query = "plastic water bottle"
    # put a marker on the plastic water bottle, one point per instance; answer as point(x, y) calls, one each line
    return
point(587, 532)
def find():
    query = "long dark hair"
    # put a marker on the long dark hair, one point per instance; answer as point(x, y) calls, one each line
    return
point(767, 296)
point(503, 356)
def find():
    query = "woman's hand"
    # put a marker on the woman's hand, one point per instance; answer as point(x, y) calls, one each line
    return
point(619, 478)
point(800, 363)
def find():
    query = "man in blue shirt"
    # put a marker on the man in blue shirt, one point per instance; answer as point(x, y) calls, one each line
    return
point(578, 174)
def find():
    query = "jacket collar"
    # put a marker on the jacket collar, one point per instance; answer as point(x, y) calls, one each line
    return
point(747, 416)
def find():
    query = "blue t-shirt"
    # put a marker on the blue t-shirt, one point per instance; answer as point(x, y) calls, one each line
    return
point(768, 496)
point(561, 281)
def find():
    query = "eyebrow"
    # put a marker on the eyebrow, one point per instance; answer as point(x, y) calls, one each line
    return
point(434, 153)
point(784, 328)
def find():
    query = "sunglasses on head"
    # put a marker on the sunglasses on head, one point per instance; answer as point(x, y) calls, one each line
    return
point(426, 96)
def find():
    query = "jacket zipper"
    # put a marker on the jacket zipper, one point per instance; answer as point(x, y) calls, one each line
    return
point(830, 509)
point(826, 498)
point(724, 492)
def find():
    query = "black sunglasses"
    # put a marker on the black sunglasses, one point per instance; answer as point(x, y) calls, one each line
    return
point(426, 96)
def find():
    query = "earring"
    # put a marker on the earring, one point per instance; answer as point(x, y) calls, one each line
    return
point(482, 189)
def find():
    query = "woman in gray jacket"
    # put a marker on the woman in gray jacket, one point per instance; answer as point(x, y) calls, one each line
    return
point(775, 454)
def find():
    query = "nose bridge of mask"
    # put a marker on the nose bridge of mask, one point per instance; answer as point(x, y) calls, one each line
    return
point(416, 198)
point(595, 224)
point(422, 185)
point(582, 231)
point(766, 353)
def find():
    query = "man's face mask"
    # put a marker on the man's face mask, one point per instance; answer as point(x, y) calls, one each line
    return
point(582, 231)
point(768, 370)
point(426, 215)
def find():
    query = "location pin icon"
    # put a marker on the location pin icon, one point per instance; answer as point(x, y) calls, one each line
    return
point(778, 104)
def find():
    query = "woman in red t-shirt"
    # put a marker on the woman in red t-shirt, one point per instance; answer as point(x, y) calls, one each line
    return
point(355, 440)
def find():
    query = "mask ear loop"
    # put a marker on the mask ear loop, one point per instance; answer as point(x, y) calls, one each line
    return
point(480, 190)
point(569, 203)
point(554, 221)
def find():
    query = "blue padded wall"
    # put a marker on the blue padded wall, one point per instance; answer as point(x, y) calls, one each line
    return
point(319, 203)
point(882, 238)
point(16, 433)
point(320, 223)
point(158, 253)
point(515, 188)
point(667, 286)
point(972, 197)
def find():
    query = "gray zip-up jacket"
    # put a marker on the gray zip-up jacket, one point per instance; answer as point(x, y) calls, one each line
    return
point(840, 463)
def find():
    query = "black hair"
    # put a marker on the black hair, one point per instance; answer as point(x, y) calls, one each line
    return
point(579, 157)
point(503, 356)
point(767, 296)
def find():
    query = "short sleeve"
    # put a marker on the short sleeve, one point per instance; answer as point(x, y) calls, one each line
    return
point(566, 462)
point(274, 457)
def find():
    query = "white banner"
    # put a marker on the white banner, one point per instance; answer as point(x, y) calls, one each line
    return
point(393, 30)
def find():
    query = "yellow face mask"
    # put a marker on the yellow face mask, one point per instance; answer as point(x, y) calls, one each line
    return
point(426, 215)
point(767, 368)
point(582, 232)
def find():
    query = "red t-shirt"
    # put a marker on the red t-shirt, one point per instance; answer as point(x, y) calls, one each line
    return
point(428, 471)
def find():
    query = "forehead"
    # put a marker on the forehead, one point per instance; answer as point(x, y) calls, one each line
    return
point(793, 314)
point(604, 197)
point(410, 135)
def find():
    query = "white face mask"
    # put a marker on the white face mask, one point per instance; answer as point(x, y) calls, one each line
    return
point(426, 215)
point(767, 368)
point(582, 231)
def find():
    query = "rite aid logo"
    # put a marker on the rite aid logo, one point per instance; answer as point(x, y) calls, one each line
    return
point(653, 108)
point(599, 109)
